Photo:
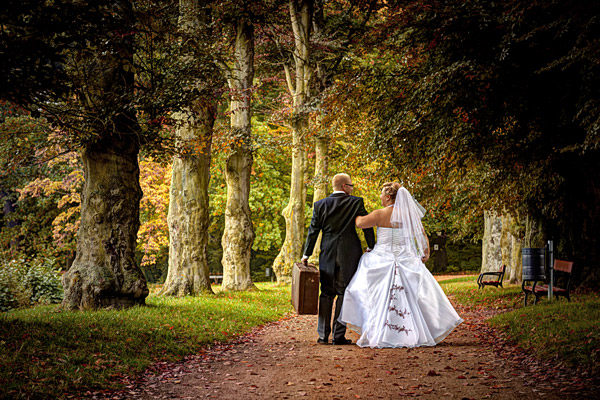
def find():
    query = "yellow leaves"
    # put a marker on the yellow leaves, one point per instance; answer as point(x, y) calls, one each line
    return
point(153, 235)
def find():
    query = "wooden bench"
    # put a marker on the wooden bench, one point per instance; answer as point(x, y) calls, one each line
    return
point(216, 278)
point(562, 275)
point(499, 276)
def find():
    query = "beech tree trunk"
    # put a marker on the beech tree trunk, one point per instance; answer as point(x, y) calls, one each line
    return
point(104, 273)
point(491, 259)
point(534, 232)
point(238, 234)
point(516, 271)
point(188, 217)
point(516, 230)
point(320, 180)
point(301, 13)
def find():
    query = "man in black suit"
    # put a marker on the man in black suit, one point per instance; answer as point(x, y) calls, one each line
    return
point(340, 251)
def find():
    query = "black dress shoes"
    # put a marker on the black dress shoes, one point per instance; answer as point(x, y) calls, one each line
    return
point(341, 341)
point(322, 341)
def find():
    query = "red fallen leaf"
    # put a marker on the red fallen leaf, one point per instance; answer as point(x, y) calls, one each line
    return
point(433, 373)
point(461, 377)
point(389, 372)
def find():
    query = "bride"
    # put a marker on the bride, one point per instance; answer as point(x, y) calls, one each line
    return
point(393, 300)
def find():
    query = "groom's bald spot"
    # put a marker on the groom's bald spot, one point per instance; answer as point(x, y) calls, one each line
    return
point(339, 180)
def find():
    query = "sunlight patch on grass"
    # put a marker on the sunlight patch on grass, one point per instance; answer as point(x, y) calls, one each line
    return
point(466, 292)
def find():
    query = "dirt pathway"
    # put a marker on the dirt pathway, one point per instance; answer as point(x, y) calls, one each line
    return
point(283, 361)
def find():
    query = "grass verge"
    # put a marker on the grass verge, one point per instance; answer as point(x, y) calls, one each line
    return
point(567, 332)
point(50, 354)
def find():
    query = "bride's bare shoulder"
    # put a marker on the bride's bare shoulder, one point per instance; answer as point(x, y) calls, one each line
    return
point(384, 214)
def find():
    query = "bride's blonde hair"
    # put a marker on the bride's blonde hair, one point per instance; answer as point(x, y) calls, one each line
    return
point(391, 189)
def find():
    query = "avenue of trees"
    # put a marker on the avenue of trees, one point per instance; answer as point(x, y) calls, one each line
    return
point(164, 140)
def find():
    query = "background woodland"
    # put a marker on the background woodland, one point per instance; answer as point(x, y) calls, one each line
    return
point(167, 141)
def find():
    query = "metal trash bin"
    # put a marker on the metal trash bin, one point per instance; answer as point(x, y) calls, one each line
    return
point(534, 264)
point(534, 270)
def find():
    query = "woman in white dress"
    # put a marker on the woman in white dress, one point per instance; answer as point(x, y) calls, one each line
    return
point(393, 300)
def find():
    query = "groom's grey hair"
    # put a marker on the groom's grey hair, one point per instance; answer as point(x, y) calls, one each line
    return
point(338, 181)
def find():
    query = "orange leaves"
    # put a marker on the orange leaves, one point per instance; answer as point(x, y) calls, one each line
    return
point(155, 181)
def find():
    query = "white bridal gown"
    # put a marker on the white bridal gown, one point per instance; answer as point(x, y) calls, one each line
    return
point(393, 300)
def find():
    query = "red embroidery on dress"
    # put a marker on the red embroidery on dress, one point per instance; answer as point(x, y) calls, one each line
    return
point(398, 328)
point(399, 312)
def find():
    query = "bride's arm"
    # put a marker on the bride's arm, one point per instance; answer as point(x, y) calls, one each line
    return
point(368, 221)
point(427, 250)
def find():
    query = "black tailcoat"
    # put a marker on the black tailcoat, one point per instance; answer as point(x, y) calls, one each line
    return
point(334, 216)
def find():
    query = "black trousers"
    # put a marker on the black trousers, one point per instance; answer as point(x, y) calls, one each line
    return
point(331, 287)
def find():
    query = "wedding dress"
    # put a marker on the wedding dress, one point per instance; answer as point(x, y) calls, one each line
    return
point(393, 300)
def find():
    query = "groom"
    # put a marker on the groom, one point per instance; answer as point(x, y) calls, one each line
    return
point(340, 251)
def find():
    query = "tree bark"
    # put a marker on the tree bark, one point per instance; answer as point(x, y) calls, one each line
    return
point(238, 234)
point(516, 230)
point(534, 232)
point(516, 271)
point(188, 217)
point(301, 13)
point(491, 259)
point(320, 180)
point(104, 273)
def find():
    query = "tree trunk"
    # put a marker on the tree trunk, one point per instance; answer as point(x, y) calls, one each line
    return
point(238, 234)
point(491, 259)
point(534, 233)
point(516, 230)
point(505, 240)
point(291, 251)
point(188, 216)
point(104, 273)
point(320, 180)
point(516, 271)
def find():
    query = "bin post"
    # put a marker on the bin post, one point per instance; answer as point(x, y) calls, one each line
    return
point(551, 269)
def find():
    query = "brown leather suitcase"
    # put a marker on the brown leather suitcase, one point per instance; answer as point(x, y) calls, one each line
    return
point(305, 288)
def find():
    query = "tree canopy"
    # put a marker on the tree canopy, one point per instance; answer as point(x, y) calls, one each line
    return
point(473, 105)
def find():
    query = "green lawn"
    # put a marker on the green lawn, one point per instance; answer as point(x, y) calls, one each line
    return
point(45, 353)
point(567, 332)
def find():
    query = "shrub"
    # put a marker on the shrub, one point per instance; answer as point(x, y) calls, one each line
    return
point(44, 283)
point(23, 284)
